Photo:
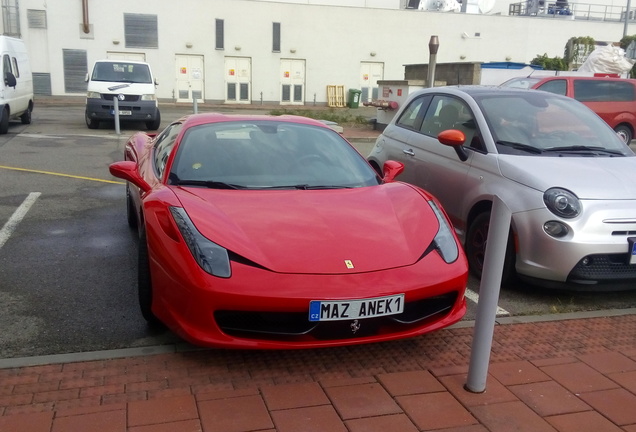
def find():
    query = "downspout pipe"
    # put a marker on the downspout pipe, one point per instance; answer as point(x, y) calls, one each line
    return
point(85, 16)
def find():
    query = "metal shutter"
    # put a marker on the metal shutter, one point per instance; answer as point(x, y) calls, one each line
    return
point(75, 70)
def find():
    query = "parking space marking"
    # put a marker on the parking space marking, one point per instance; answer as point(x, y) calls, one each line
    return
point(62, 136)
point(61, 174)
point(472, 295)
point(17, 217)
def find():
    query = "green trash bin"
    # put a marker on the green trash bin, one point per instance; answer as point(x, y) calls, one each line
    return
point(354, 98)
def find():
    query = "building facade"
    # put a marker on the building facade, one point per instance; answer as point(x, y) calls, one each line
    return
point(272, 52)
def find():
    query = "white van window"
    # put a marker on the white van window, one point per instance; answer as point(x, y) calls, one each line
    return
point(121, 72)
point(16, 70)
point(6, 65)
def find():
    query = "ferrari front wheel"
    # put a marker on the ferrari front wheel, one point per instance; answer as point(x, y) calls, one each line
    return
point(131, 214)
point(144, 284)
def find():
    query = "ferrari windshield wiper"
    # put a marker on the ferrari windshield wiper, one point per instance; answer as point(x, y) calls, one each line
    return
point(583, 148)
point(304, 187)
point(520, 146)
point(209, 184)
point(328, 187)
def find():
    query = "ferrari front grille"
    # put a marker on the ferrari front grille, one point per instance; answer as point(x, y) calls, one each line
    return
point(295, 326)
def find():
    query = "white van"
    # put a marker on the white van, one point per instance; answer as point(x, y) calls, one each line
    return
point(16, 92)
point(132, 83)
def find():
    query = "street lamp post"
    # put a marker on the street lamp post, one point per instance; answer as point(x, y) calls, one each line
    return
point(433, 46)
point(629, 6)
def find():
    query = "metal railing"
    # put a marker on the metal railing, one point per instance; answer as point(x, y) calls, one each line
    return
point(578, 11)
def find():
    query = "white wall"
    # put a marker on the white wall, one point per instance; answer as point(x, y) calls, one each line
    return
point(332, 39)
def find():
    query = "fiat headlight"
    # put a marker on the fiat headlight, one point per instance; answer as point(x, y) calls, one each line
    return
point(210, 256)
point(444, 240)
point(562, 202)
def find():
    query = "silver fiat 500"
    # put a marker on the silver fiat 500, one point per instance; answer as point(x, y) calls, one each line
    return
point(568, 179)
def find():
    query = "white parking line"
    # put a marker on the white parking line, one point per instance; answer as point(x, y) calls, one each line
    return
point(17, 217)
point(472, 295)
point(61, 136)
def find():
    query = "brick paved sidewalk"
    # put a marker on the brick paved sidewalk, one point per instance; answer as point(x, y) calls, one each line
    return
point(567, 375)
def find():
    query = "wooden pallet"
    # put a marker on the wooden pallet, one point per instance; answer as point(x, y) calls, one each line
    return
point(336, 96)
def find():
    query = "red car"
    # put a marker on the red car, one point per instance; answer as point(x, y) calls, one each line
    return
point(612, 99)
point(274, 232)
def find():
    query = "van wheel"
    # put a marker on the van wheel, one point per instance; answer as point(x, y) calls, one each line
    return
point(25, 118)
point(476, 240)
point(624, 133)
point(4, 122)
point(154, 124)
point(91, 123)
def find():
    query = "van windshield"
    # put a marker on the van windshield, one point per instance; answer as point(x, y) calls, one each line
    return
point(121, 72)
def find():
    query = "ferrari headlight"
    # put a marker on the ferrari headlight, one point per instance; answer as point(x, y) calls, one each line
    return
point(210, 256)
point(562, 202)
point(444, 239)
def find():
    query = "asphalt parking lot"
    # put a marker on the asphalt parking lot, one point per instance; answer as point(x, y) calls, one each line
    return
point(68, 258)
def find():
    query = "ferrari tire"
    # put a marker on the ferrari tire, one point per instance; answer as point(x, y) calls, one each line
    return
point(4, 122)
point(144, 283)
point(131, 214)
point(476, 240)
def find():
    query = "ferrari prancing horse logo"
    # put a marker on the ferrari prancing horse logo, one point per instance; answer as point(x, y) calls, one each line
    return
point(349, 264)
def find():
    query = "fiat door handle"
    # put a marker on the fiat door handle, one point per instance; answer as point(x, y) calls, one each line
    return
point(409, 152)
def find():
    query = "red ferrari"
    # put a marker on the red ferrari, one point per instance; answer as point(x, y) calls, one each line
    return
point(274, 232)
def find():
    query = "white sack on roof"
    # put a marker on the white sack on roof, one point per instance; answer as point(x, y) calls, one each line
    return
point(607, 59)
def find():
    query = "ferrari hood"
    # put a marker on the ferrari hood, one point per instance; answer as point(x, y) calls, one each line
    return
point(320, 231)
point(587, 177)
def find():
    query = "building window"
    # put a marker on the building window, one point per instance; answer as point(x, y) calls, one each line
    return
point(75, 70)
point(140, 31)
point(11, 18)
point(276, 37)
point(220, 44)
point(36, 18)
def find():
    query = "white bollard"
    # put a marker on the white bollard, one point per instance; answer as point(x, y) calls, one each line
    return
point(489, 288)
point(116, 109)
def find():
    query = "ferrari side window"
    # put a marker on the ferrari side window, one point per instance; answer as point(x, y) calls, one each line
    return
point(163, 147)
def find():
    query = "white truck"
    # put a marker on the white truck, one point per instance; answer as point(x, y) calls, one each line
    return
point(16, 91)
point(132, 83)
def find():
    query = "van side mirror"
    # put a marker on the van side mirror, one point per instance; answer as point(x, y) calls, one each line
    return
point(86, 78)
point(9, 80)
point(156, 83)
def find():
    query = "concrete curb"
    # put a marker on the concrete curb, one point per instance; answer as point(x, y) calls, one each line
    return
point(178, 347)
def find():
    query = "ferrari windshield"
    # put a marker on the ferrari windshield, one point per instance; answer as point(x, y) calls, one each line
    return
point(268, 155)
point(539, 123)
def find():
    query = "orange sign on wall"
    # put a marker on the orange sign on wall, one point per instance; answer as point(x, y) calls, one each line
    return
point(286, 74)
point(184, 71)
point(232, 72)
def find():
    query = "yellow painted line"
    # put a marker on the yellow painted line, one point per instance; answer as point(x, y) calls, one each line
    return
point(61, 175)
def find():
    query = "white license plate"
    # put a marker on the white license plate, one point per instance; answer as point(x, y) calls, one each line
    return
point(321, 310)
point(122, 112)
